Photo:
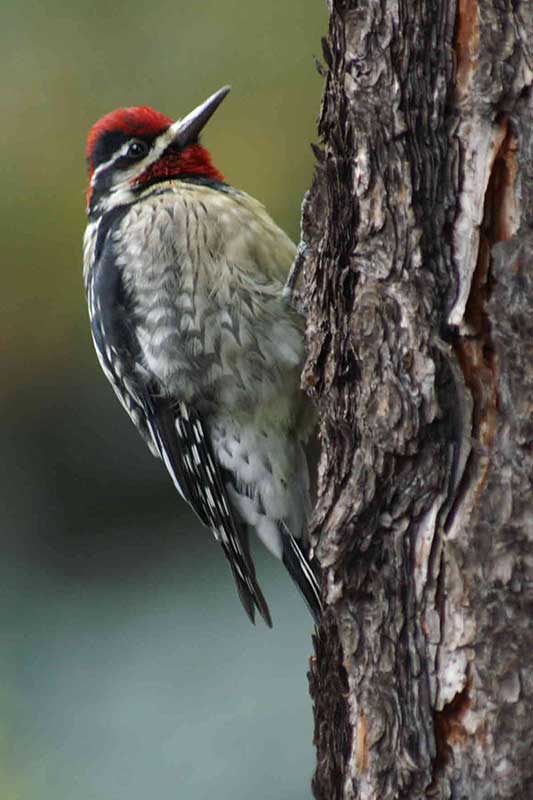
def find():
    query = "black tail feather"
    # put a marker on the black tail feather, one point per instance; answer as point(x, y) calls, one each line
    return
point(304, 574)
point(250, 594)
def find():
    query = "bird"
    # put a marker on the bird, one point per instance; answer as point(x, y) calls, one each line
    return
point(192, 325)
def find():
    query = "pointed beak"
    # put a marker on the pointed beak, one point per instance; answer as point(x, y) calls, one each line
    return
point(186, 130)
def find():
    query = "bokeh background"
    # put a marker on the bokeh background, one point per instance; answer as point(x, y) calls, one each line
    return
point(127, 668)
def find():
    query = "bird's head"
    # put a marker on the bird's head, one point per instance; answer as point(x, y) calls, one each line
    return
point(132, 148)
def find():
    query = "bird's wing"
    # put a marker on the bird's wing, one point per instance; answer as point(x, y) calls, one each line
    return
point(186, 450)
point(114, 341)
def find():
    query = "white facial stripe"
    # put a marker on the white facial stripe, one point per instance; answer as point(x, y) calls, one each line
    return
point(160, 145)
point(122, 152)
point(165, 138)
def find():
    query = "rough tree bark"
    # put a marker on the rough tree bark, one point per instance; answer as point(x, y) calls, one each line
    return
point(419, 285)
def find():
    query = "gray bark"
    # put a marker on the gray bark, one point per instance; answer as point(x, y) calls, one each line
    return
point(419, 286)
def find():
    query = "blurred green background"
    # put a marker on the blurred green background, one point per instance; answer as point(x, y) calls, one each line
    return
point(127, 668)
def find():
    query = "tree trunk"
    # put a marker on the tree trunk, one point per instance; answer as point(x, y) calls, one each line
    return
point(419, 287)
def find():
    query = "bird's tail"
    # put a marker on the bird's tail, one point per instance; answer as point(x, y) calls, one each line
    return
point(303, 572)
point(243, 571)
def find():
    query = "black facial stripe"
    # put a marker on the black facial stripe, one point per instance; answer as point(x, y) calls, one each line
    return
point(109, 143)
point(124, 162)
point(104, 180)
point(106, 145)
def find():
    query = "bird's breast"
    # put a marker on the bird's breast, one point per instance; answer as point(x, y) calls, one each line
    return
point(211, 323)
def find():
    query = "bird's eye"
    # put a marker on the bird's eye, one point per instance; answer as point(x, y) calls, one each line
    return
point(137, 149)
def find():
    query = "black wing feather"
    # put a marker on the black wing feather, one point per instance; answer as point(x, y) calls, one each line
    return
point(187, 452)
point(110, 316)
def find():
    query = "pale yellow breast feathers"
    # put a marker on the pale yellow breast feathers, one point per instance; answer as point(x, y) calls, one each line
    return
point(242, 227)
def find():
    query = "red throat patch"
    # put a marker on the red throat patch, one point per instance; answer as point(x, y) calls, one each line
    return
point(192, 160)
